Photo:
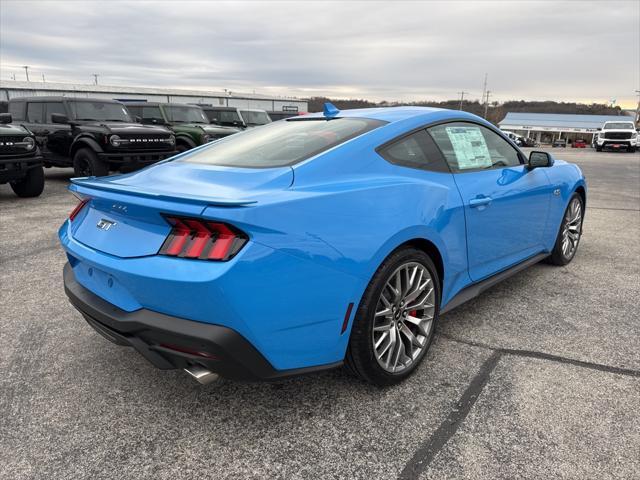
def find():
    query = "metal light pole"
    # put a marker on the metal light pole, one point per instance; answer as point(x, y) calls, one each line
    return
point(484, 88)
point(462, 94)
point(26, 71)
point(486, 103)
point(95, 78)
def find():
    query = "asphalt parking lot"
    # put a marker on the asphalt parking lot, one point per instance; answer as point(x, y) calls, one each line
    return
point(537, 378)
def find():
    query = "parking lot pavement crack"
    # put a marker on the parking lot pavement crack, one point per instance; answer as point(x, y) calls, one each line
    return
point(548, 356)
point(613, 208)
point(428, 451)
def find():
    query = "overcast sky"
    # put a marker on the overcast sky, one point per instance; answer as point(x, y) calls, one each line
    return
point(394, 50)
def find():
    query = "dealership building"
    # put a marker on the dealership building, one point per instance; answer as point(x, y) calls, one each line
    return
point(547, 127)
point(11, 89)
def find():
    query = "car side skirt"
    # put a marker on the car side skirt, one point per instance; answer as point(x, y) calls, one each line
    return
point(476, 289)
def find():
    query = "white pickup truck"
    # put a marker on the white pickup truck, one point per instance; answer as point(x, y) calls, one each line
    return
point(618, 135)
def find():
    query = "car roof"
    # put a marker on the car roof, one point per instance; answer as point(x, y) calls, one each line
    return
point(62, 98)
point(397, 114)
point(216, 107)
point(155, 104)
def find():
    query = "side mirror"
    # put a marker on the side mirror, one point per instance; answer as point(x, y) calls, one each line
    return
point(539, 159)
point(5, 118)
point(59, 118)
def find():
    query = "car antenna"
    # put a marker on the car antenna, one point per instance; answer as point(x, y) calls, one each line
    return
point(330, 110)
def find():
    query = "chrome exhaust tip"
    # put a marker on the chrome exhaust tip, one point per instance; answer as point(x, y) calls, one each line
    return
point(201, 374)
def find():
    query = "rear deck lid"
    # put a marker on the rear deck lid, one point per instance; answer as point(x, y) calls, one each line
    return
point(125, 218)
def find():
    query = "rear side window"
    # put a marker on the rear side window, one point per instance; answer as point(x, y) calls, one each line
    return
point(53, 107)
point(16, 109)
point(151, 113)
point(213, 115)
point(467, 146)
point(134, 110)
point(282, 143)
point(417, 150)
point(35, 112)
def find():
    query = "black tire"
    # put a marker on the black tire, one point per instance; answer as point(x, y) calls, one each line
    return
point(31, 185)
point(86, 164)
point(631, 149)
point(598, 148)
point(360, 357)
point(181, 147)
point(558, 257)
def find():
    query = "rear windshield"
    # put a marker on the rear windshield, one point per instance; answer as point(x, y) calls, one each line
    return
point(619, 126)
point(282, 143)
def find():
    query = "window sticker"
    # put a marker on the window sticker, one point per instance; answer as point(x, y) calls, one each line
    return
point(470, 147)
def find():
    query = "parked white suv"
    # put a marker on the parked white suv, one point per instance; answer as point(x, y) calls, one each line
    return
point(517, 139)
point(618, 135)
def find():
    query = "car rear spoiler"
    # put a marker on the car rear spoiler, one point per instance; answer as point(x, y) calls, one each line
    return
point(79, 184)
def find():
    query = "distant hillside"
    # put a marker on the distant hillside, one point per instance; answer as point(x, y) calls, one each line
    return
point(495, 112)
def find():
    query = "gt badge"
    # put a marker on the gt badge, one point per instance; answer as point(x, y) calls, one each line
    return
point(105, 224)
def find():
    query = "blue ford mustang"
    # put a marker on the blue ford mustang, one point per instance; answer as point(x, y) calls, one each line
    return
point(315, 241)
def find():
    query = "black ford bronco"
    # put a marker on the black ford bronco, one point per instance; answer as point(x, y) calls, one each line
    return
point(225, 116)
point(20, 161)
point(92, 135)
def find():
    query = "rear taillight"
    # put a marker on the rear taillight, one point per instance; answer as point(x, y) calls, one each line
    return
point(202, 239)
point(74, 213)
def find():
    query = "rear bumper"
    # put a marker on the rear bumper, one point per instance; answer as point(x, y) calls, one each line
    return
point(170, 342)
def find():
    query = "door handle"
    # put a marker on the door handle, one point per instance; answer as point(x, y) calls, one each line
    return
point(479, 202)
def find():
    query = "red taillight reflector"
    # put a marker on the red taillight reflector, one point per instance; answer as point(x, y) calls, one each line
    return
point(347, 316)
point(205, 240)
point(74, 213)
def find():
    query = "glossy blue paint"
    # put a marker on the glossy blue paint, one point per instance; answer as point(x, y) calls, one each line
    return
point(318, 230)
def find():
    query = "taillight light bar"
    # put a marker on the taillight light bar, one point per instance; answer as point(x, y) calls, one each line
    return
point(74, 213)
point(201, 239)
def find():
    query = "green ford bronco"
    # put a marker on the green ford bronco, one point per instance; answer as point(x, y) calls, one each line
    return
point(188, 122)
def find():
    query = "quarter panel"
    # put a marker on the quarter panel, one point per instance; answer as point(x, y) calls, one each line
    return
point(351, 225)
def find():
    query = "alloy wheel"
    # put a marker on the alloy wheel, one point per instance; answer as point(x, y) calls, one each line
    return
point(572, 228)
point(404, 317)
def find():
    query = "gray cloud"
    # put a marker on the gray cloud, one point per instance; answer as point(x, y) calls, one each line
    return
point(399, 50)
